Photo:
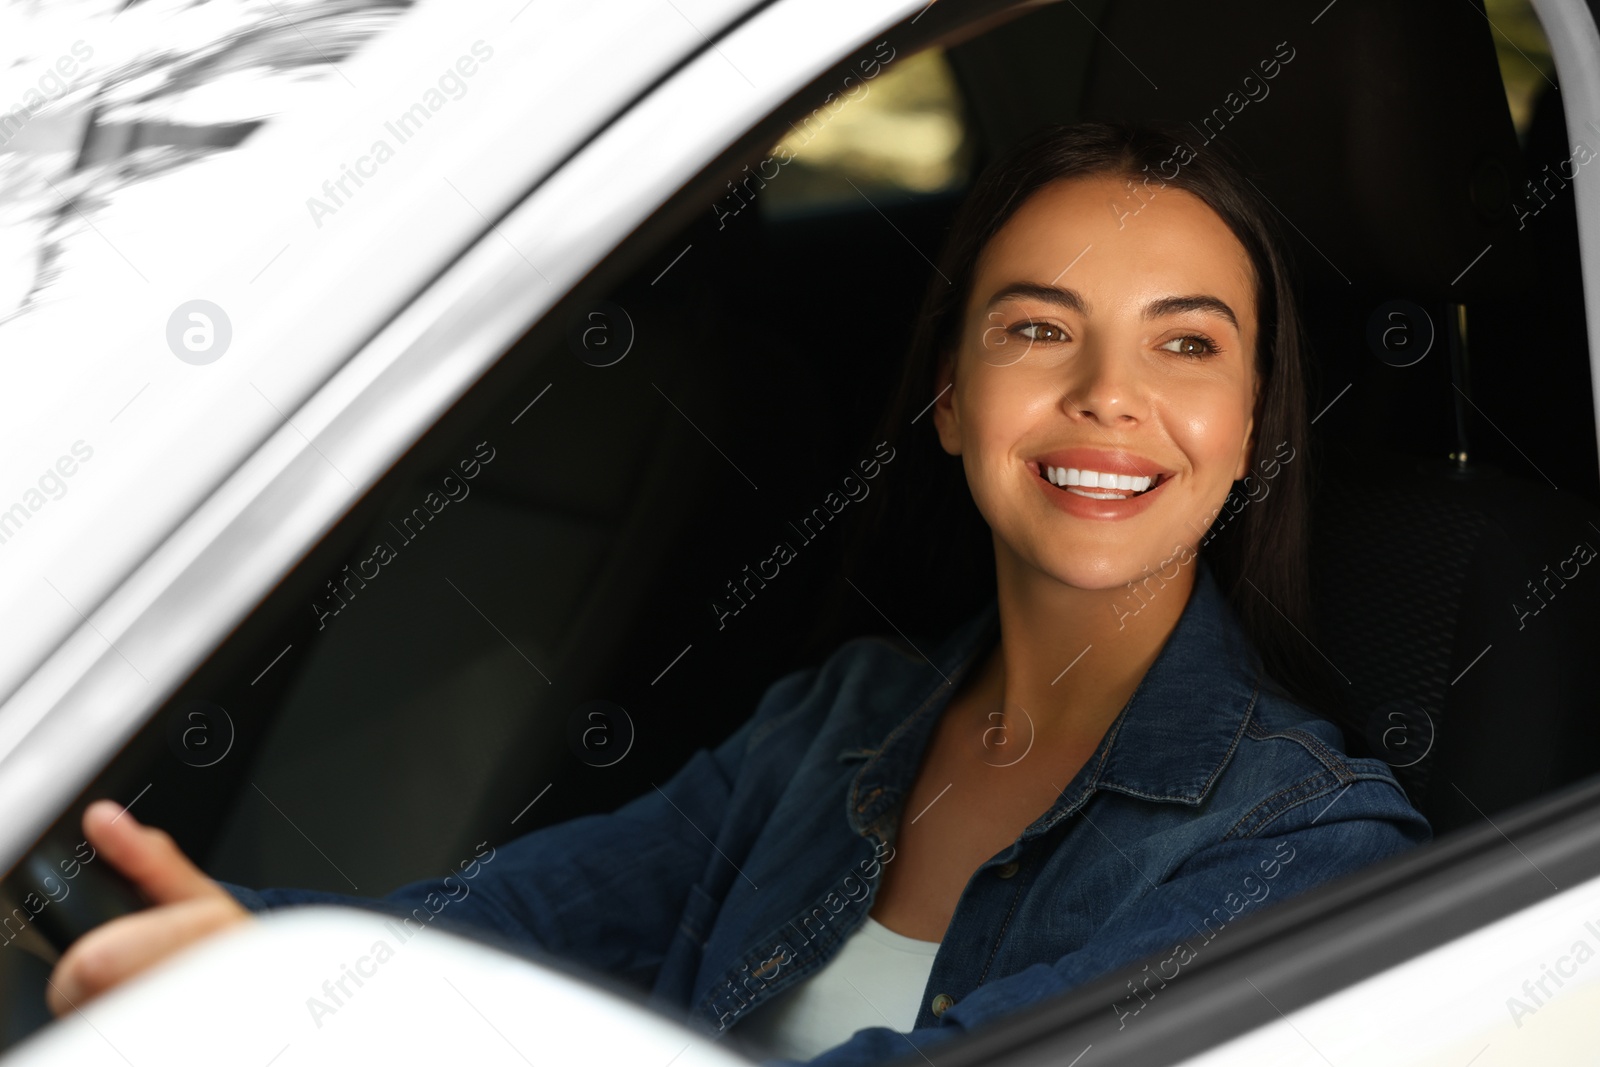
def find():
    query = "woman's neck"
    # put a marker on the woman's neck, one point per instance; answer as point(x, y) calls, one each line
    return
point(1068, 659)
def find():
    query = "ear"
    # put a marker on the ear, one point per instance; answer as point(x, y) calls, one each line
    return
point(945, 418)
point(1246, 452)
point(1249, 448)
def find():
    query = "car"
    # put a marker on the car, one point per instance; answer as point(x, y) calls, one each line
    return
point(397, 395)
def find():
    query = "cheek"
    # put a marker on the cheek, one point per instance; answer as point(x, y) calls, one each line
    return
point(1207, 422)
point(1001, 406)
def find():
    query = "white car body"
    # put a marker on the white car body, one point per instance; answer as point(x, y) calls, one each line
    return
point(352, 331)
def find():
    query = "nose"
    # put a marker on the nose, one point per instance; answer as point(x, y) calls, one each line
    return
point(1105, 386)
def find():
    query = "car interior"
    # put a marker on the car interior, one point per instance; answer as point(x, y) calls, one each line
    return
point(374, 727)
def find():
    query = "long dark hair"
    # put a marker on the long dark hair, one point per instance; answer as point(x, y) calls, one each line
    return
point(918, 544)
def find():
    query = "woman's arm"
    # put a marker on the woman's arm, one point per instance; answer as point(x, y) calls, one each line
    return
point(604, 891)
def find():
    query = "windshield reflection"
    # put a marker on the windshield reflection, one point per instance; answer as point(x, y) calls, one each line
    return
point(97, 96)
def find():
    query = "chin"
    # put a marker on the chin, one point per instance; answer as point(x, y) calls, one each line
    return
point(1090, 571)
point(1098, 566)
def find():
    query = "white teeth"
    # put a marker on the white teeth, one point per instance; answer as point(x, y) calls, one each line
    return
point(1072, 476)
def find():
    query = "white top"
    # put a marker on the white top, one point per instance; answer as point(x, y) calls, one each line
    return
point(876, 979)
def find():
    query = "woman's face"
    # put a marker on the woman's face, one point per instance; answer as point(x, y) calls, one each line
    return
point(1105, 334)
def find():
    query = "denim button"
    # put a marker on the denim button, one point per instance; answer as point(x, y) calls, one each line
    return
point(1006, 870)
point(941, 1003)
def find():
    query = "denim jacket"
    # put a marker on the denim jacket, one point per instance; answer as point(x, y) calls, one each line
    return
point(1210, 793)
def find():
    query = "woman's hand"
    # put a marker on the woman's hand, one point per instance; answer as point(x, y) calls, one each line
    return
point(187, 906)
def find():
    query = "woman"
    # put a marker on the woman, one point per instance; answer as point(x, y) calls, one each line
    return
point(1096, 766)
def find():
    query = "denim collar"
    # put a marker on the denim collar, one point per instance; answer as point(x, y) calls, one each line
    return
point(1170, 742)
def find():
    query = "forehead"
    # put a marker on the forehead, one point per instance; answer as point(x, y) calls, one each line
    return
point(1116, 247)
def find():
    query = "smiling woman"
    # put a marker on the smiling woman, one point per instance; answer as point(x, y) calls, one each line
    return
point(1164, 344)
point(886, 854)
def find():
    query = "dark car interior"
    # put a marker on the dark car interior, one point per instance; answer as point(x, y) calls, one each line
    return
point(547, 645)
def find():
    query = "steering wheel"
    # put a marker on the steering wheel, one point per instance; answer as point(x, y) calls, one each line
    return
point(63, 895)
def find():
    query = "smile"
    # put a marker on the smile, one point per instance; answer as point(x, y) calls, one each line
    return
point(1088, 491)
point(1099, 485)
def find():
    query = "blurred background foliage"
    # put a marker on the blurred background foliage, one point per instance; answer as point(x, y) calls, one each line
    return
point(1525, 64)
point(904, 134)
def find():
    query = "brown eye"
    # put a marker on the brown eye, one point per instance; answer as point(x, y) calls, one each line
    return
point(1193, 346)
point(1042, 331)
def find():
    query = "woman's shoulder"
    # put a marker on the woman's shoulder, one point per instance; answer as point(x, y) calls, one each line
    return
point(1295, 730)
point(1292, 766)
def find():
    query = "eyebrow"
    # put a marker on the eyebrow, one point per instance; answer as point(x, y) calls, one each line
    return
point(1171, 305)
point(1072, 300)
